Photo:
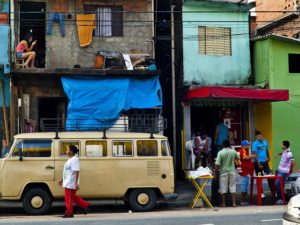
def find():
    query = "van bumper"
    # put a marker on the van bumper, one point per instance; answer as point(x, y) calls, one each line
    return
point(170, 197)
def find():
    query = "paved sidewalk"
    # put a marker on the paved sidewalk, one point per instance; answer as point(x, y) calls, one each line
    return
point(186, 192)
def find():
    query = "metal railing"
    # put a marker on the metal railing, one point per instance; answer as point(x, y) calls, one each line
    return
point(133, 123)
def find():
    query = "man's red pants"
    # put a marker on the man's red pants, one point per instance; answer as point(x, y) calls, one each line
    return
point(71, 198)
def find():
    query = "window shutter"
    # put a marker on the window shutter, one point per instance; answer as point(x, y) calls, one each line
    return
point(214, 41)
point(117, 21)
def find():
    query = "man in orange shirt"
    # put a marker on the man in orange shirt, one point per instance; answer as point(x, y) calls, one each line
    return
point(247, 169)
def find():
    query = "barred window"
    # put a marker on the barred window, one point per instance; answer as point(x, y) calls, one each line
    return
point(109, 20)
point(214, 41)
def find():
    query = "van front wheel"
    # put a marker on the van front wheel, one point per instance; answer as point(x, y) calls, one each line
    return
point(142, 200)
point(37, 201)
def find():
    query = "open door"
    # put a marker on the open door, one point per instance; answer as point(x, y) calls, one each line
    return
point(33, 19)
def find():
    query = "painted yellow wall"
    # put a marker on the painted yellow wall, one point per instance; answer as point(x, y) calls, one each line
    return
point(263, 122)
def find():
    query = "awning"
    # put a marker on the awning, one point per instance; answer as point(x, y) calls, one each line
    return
point(238, 93)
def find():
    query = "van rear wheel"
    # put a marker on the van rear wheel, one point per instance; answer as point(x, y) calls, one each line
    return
point(142, 200)
point(37, 201)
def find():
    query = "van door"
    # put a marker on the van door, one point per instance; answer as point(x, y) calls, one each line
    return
point(31, 161)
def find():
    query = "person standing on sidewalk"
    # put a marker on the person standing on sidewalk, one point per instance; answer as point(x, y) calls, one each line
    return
point(225, 164)
point(70, 182)
point(247, 169)
point(221, 133)
point(261, 157)
point(286, 164)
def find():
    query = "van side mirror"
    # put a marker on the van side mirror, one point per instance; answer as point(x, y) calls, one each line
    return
point(20, 155)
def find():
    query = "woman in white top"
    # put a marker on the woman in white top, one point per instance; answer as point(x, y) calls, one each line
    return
point(70, 182)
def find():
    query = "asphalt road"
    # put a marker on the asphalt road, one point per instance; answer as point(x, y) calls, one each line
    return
point(252, 215)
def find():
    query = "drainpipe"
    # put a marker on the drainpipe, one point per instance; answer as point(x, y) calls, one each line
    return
point(173, 87)
point(12, 27)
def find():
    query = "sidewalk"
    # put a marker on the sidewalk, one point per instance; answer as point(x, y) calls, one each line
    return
point(186, 192)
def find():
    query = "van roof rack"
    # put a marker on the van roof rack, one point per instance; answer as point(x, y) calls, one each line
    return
point(150, 124)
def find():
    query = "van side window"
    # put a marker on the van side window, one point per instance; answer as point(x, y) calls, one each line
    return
point(33, 148)
point(64, 145)
point(165, 148)
point(147, 148)
point(96, 148)
point(122, 148)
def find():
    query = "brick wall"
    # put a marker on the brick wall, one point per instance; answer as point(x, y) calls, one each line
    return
point(263, 17)
point(272, 5)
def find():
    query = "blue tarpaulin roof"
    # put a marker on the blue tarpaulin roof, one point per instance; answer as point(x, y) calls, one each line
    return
point(98, 102)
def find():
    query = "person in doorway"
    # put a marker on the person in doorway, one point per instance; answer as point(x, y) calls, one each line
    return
point(23, 51)
point(221, 133)
point(287, 163)
point(261, 156)
point(70, 182)
point(247, 169)
point(225, 164)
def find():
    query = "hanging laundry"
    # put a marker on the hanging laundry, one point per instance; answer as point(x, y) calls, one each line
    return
point(85, 27)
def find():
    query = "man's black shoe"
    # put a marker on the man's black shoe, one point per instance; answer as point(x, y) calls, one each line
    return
point(86, 210)
point(67, 216)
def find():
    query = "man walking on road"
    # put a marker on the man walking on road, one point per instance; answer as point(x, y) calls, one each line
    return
point(225, 163)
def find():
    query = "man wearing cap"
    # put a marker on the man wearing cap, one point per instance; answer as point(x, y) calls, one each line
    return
point(247, 169)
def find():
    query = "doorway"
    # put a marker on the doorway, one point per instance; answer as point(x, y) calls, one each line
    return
point(52, 108)
point(33, 19)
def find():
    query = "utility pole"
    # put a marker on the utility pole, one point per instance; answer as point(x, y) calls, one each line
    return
point(173, 86)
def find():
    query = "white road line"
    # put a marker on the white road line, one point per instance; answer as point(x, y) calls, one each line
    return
point(206, 224)
point(271, 220)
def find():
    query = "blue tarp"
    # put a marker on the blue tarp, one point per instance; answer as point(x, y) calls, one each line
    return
point(96, 103)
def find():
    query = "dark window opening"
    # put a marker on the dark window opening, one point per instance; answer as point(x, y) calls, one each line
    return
point(294, 63)
point(109, 20)
point(52, 108)
point(32, 19)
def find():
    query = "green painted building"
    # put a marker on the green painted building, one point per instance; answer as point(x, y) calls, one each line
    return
point(277, 66)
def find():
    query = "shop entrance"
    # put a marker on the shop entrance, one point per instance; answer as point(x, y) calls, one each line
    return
point(206, 118)
point(32, 19)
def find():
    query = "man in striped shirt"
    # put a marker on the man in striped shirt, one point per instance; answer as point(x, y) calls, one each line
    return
point(286, 164)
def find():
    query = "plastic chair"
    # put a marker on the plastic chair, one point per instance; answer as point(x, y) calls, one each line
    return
point(191, 161)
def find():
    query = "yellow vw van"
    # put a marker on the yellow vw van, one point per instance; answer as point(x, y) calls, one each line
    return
point(135, 167)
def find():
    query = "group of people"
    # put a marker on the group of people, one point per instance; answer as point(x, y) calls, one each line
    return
point(258, 160)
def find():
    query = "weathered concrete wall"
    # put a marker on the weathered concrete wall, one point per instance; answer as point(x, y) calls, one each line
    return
point(37, 88)
point(65, 52)
point(201, 69)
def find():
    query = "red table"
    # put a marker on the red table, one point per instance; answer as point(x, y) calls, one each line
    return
point(259, 180)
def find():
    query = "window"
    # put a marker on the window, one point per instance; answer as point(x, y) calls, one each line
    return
point(96, 148)
point(122, 148)
point(65, 145)
point(214, 41)
point(109, 20)
point(147, 148)
point(165, 148)
point(33, 148)
point(294, 63)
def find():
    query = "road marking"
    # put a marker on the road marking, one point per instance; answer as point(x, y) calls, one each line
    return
point(271, 220)
point(206, 224)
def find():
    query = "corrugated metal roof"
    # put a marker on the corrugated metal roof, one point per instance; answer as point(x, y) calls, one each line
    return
point(276, 37)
